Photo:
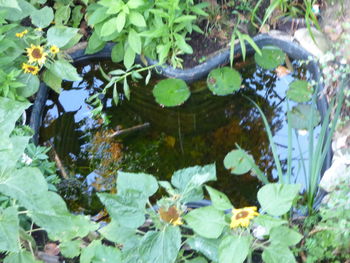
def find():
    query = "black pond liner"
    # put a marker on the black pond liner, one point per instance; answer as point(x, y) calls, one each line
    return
point(198, 72)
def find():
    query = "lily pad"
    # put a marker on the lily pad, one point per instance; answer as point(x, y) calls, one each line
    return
point(238, 162)
point(301, 115)
point(171, 92)
point(270, 58)
point(224, 81)
point(300, 91)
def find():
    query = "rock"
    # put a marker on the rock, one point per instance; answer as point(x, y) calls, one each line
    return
point(337, 174)
point(302, 35)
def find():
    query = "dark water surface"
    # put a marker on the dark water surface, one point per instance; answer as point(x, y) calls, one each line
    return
point(201, 131)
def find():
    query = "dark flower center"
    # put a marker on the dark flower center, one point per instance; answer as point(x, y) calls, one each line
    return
point(36, 53)
point(242, 214)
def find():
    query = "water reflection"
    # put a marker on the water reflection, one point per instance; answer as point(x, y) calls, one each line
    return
point(201, 131)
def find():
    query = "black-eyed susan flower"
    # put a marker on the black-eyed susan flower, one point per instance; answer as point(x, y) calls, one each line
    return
point(22, 34)
point(172, 215)
point(36, 54)
point(242, 216)
point(54, 49)
point(30, 69)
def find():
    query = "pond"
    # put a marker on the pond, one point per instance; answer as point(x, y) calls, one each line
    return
point(158, 140)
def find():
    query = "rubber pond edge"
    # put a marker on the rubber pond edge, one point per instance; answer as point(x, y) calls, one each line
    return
point(294, 51)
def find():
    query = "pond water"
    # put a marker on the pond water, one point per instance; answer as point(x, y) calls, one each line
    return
point(159, 140)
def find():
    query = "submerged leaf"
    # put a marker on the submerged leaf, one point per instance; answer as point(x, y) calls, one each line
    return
point(300, 91)
point(300, 117)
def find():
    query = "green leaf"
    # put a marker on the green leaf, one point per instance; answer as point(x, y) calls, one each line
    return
point(181, 43)
point(208, 247)
point(13, 150)
point(95, 44)
point(234, 249)
point(10, 111)
point(60, 35)
point(269, 222)
point(42, 18)
point(300, 91)
point(117, 53)
point(284, 236)
point(10, 4)
point(22, 257)
point(97, 16)
point(120, 21)
point(145, 183)
point(270, 57)
point(219, 200)
point(134, 41)
point(128, 209)
point(300, 116)
point(190, 180)
point(119, 234)
point(278, 254)
point(206, 221)
point(224, 81)
point(137, 19)
point(52, 81)
point(9, 230)
point(109, 27)
point(98, 253)
point(197, 260)
point(115, 95)
point(161, 246)
point(15, 14)
point(133, 4)
point(31, 83)
point(129, 57)
point(71, 249)
point(62, 15)
point(276, 199)
point(237, 162)
point(64, 70)
point(171, 92)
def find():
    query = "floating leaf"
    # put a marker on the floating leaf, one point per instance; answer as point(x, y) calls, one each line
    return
point(300, 117)
point(270, 57)
point(224, 81)
point(300, 91)
point(171, 92)
point(237, 162)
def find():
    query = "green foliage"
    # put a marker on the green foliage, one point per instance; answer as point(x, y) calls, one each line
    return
point(224, 81)
point(234, 249)
point(171, 92)
point(300, 91)
point(237, 163)
point(301, 116)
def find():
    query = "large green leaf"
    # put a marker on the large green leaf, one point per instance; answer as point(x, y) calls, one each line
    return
point(22, 257)
point(52, 81)
point(224, 81)
point(64, 70)
point(208, 247)
point(270, 57)
point(171, 92)
point(9, 4)
point(95, 44)
point(31, 83)
point(9, 230)
point(42, 18)
point(60, 35)
point(71, 248)
point(219, 200)
point(98, 253)
point(109, 27)
point(278, 254)
point(135, 41)
point(206, 221)
point(15, 14)
point(234, 249)
point(237, 162)
point(145, 183)
point(160, 246)
point(268, 222)
point(300, 91)
point(301, 115)
point(276, 199)
point(14, 150)
point(10, 111)
point(283, 235)
point(128, 209)
point(190, 180)
point(137, 19)
point(117, 53)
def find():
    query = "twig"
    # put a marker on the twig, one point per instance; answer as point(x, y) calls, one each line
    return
point(58, 162)
point(131, 129)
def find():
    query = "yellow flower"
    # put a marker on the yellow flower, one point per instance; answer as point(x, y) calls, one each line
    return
point(54, 49)
point(36, 54)
point(21, 34)
point(30, 69)
point(242, 216)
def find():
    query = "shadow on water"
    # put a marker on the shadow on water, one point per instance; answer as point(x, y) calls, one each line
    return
point(163, 140)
